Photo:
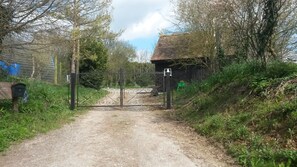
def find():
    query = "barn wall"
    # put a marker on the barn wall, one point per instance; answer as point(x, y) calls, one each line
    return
point(180, 73)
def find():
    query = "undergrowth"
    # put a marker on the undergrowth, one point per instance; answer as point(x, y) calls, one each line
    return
point(250, 110)
point(46, 109)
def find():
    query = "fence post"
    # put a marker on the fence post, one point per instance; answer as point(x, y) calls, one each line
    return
point(121, 87)
point(15, 104)
point(72, 90)
point(168, 93)
point(164, 90)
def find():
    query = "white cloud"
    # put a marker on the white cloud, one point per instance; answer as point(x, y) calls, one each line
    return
point(140, 18)
point(127, 12)
point(151, 25)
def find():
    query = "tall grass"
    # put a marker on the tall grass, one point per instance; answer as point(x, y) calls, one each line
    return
point(249, 109)
point(47, 109)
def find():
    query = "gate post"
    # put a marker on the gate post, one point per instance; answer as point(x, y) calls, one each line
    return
point(168, 74)
point(121, 87)
point(72, 90)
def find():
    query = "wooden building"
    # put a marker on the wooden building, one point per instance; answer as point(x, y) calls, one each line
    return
point(171, 52)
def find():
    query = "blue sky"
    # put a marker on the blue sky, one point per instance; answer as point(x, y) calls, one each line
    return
point(145, 43)
point(141, 21)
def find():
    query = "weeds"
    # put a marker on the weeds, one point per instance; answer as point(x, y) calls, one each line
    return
point(251, 110)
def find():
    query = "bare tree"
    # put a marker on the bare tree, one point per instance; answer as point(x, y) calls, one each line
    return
point(17, 16)
point(202, 21)
point(266, 29)
point(258, 29)
point(86, 18)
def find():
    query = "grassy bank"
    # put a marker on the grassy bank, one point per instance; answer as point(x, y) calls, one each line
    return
point(250, 110)
point(47, 109)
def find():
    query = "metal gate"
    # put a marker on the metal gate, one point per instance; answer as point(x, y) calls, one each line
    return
point(124, 89)
point(143, 89)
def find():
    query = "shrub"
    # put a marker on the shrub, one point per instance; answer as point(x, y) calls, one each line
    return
point(279, 69)
point(257, 130)
point(92, 79)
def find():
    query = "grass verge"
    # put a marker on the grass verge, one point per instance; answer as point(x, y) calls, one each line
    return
point(250, 110)
point(47, 109)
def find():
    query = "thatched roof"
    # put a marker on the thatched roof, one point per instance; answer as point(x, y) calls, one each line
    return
point(172, 47)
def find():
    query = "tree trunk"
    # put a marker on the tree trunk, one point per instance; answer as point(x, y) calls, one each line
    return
point(265, 34)
point(75, 53)
point(78, 55)
point(73, 58)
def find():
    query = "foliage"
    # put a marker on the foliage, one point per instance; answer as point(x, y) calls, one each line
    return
point(46, 109)
point(121, 56)
point(251, 110)
point(144, 80)
point(262, 30)
point(279, 69)
point(3, 74)
point(16, 18)
point(92, 63)
point(139, 74)
point(92, 79)
point(88, 19)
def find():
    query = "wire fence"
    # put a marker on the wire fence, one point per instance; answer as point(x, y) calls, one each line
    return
point(30, 66)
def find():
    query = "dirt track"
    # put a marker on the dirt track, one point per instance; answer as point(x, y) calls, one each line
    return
point(110, 137)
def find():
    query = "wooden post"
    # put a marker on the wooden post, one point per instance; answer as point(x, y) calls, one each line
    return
point(164, 89)
point(72, 90)
point(60, 73)
point(121, 87)
point(15, 104)
point(56, 69)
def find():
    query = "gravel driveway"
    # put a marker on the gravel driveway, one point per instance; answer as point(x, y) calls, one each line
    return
point(113, 137)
